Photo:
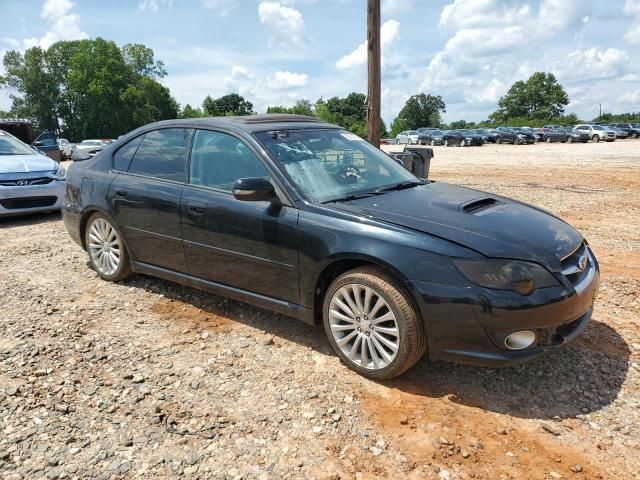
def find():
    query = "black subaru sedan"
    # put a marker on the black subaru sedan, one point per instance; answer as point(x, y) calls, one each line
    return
point(307, 219)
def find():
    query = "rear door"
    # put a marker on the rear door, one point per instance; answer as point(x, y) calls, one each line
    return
point(145, 196)
point(248, 245)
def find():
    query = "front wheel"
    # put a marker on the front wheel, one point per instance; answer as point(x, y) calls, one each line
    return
point(446, 143)
point(569, 139)
point(433, 143)
point(107, 252)
point(371, 324)
point(596, 138)
point(498, 140)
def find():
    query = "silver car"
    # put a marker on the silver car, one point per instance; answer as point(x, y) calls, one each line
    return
point(29, 181)
point(597, 132)
point(88, 148)
point(409, 137)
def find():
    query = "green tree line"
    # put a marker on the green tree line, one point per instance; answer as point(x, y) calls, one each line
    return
point(93, 88)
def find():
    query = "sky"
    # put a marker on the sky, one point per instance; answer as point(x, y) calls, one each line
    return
point(276, 52)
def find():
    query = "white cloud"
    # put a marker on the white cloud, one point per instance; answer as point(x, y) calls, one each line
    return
point(389, 32)
point(631, 97)
point(282, 80)
point(222, 7)
point(65, 24)
point(593, 64)
point(285, 24)
point(154, 5)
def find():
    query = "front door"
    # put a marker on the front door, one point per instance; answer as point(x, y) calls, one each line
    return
point(145, 196)
point(248, 245)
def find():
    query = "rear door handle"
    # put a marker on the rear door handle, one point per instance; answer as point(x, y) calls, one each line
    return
point(121, 192)
point(196, 208)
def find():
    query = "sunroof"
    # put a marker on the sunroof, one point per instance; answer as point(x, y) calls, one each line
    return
point(274, 118)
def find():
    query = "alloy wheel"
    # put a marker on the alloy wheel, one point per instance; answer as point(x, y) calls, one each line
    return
point(104, 246)
point(364, 326)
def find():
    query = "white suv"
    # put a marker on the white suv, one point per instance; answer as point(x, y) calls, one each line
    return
point(598, 132)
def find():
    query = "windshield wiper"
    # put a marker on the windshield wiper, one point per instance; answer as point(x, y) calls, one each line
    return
point(353, 196)
point(399, 186)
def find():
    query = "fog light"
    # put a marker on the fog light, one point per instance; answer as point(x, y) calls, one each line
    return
point(520, 340)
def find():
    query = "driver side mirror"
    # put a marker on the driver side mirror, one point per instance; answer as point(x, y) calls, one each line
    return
point(253, 189)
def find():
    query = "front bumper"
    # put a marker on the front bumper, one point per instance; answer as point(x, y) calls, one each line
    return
point(31, 199)
point(469, 324)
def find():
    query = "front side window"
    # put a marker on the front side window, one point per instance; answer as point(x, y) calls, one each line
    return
point(219, 159)
point(12, 146)
point(332, 164)
point(162, 154)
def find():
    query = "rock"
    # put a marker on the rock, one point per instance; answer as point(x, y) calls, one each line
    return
point(267, 341)
point(317, 429)
point(137, 378)
point(553, 474)
point(124, 467)
point(576, 468)
point(551, 428)
point(404, 420)
point(12, 391)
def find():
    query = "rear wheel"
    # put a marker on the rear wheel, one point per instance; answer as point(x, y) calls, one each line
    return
point(569, 139)
point(463, 142)
point(433, 143)
point(107, 252)
point(371, 324)
point(596, 138)
point(498, 140)
point(548, 140)
point(446, 143)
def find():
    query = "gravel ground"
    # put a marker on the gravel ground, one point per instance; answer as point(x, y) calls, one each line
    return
point(149, 379)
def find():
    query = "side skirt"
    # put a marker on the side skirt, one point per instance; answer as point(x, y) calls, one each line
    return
point(269, 303)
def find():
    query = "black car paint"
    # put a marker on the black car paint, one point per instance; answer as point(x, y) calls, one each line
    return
point(460, 138)
point(280, 255)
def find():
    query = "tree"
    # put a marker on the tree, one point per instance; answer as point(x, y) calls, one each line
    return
point(399, 125)
point(228, 105)
point(540, 97)
point(458, 124)
point(422, 111)
point(88, 88)
point(190, 112)
point(301, 107)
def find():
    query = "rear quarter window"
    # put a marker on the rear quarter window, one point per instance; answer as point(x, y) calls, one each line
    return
point(123, 156)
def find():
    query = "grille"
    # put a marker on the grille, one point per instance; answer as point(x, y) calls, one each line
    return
point(27, 202)
point(24, 182)
point(578, 267)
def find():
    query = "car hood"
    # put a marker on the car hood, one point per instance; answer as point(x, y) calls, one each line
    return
point(489, 224)
point(26, 163)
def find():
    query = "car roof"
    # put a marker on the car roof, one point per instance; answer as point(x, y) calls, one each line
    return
point(248, 123)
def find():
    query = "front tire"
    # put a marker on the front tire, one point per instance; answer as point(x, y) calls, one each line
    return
point(498, 140)
point(107, 252)
point(446, 143)
point(371, 324)
point(596, 138)
point(433, 143)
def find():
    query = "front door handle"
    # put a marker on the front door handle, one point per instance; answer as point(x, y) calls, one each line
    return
point(121, 192)
point(196, 208)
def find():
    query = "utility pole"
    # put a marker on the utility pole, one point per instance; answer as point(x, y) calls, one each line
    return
point(374, 61)
point(600, 117)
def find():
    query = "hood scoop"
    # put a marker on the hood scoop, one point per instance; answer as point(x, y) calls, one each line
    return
point(482, 206)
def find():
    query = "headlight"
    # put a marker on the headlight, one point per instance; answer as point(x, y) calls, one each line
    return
point(521, 277)
point(60, 173)
point(468, 139)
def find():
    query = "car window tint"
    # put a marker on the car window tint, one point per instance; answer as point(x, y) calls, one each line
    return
point(122, 158)
point(219, 159)
point(162, 154)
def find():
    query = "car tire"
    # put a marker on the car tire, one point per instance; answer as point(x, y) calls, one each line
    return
point(446, 142)
point(433, 143)
point(386, 354)
point(463, 143)
point(498, 140)
point(634, 135)
point(569, 139)
point(596, 138)
point(548, 140)
point(107, 251)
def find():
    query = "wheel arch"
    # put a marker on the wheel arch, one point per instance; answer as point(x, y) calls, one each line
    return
point(345, 263)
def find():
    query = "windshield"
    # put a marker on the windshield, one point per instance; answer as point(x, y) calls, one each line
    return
point(598, 127)
point(12, 146)
point(92, 143)
point(333, 164)
point(413, 132)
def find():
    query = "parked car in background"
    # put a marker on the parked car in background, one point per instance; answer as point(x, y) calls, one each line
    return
point(632, 129)
point(620, 133)
point(29, 181)
point(88, 148)
point(488, 135)
point(554, 127)
point(574, 135)
point(529, 135)
point(551, 135)
point(509, 135)
point(461, 138)
point(47, 142)
point(309, 220)
point(66, 148)
point(408, 137)
point(431, 137)
point(597, 132)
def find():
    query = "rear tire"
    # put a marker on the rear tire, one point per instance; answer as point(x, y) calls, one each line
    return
point(108, 254)
point(596, 138)
point(446, 143)
point(569, 139)
point(374, 348)
point(498, 140)
point(548, 140)
point(433, 143)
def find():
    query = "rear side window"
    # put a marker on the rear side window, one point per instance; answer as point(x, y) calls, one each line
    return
point(162, 154)
point(123, 156)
